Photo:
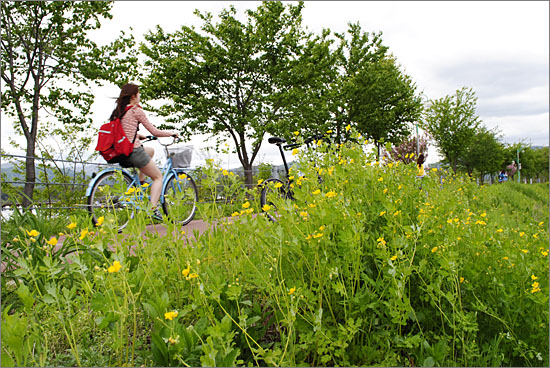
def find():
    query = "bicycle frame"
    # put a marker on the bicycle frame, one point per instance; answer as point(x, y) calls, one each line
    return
point(168, 171)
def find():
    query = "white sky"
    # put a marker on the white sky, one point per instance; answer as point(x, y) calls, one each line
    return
point(498, 48)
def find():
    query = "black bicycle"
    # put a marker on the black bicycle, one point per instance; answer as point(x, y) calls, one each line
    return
point(275, 188)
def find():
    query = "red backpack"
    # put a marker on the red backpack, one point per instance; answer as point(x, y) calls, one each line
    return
point(112, 143)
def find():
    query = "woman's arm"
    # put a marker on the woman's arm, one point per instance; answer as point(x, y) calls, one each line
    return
point(142, 118)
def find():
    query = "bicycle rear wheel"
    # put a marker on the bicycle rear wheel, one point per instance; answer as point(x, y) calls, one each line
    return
point(273, 189)
point(180, 197)
point(108, 199)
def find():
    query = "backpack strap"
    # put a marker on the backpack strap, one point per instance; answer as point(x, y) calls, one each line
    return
point(137, 127)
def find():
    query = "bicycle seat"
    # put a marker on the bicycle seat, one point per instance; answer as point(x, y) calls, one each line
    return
point(276, 140)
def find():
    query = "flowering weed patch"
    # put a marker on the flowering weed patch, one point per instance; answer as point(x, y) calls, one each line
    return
point(362, 268)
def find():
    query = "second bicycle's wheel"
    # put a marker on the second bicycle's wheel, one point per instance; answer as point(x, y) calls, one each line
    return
point(272, 189)
point(180, 198)
point(110, 199)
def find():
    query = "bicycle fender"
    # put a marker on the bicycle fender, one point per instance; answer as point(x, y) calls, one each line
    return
point(98, 175)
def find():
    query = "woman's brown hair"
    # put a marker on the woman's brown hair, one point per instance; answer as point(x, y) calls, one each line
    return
point(126, 92)
point(420, 160)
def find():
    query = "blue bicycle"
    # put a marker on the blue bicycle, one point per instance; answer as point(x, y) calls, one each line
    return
point(115, 193)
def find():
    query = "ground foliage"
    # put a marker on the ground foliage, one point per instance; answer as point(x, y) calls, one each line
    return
point(368, 266)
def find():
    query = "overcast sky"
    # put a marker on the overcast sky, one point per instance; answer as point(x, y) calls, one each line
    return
point(498, 48)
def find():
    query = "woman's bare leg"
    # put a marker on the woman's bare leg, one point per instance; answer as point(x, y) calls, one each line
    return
point(152, 171)
point(151, 152)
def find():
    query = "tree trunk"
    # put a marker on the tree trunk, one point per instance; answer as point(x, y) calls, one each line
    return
point(30, 175)
point(248, 177)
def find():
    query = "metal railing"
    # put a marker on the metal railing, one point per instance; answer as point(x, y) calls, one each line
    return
point(82, 173)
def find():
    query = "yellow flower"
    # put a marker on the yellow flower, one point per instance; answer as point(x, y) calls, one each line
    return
point(330, 194)
point(483, 214)
point(329, 131)
point(260, 181)
point(296, 133)
point(316, 191)
point(450, 221)
point(381, 179)
point(291, 291)
point(235, 214)
point(130, 190)
point(525, 251)
point(308, 237)
point(266, 207)
point(52, 241)
point(505, 258)
point(393, 258)
point(295, 151)
point(225, 172)
point(278, 185)
point(397, 213)
point(115, 267)
point(182, 232)
point(399, 187)
point(83, 234)
point(246, 204)
point(303, 214)
point(348, 127)
point(533, 277)
point(541, 223)
point(145, 185)
point(182, 176)
point(186, 271)
point(535, 285)
point(311, 205)
point(434, 249)
point(32, 233)
point(385, 190)
point(71, 226)
point(381, 241)
point(192, 276)
point(170, 315)
point(316, 236)
point(434, 169)
point(382, 213)
point(100, 221)
point(521, 234)
point(499, 230)
point(461, 279)
point(544, 253)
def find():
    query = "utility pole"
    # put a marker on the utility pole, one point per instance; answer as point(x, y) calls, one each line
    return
point(417, 144)
point(519, 165)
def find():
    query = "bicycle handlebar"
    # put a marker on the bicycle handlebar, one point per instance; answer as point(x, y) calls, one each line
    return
point(153, 138)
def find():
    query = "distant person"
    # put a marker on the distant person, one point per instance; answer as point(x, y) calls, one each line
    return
point(502, 177)
point(140, 157)
point(420, 164)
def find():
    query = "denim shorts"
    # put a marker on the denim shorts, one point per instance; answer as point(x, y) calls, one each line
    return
point(138, 158)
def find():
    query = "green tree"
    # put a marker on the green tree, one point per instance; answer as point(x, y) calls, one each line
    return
point(231, 79)
point(47, 58)
point(376, 96)
point(542, 158)
point(484, 153)
point(452, 122)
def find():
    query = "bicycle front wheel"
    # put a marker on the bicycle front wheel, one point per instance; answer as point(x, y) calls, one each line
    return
point(272, 189)
point(109, 199)
point(180, 197)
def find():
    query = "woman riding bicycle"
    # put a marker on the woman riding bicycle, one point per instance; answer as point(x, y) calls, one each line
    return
point(131, 115)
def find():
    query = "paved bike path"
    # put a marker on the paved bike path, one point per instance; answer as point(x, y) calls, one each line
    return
point(190, 229)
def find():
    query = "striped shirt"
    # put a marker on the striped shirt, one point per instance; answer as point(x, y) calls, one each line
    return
point(130, 122)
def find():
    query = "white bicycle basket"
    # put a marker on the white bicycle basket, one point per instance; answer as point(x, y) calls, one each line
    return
point(181, 155)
